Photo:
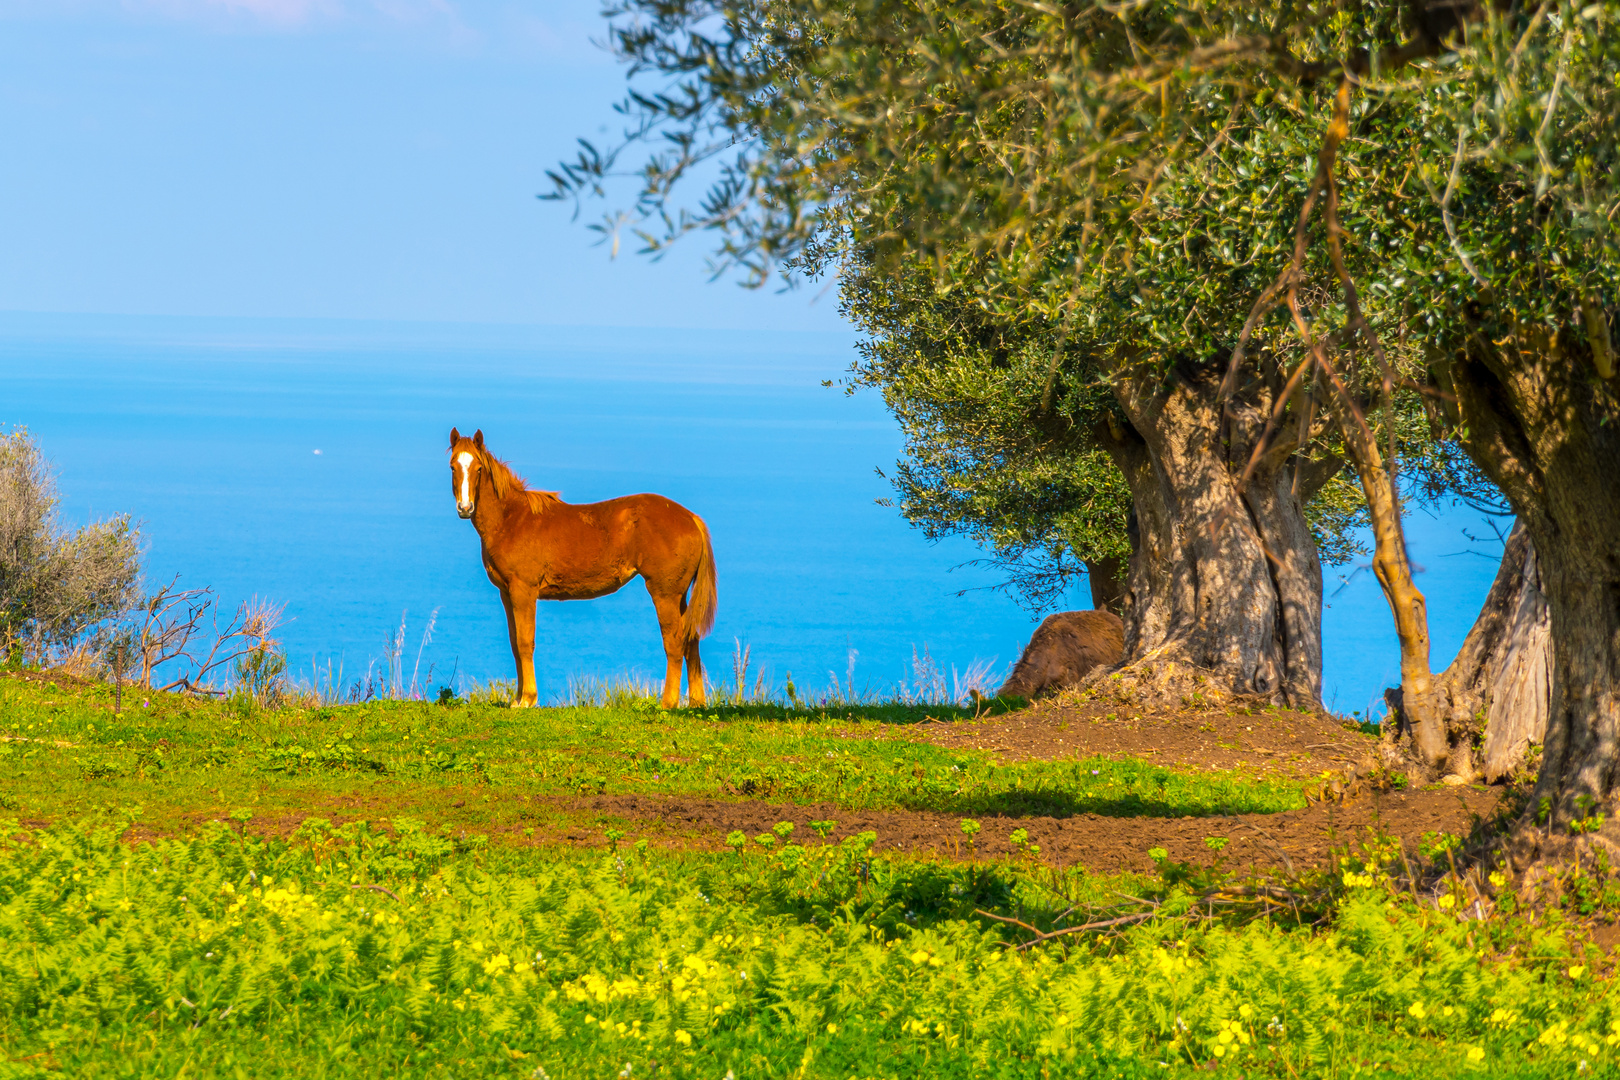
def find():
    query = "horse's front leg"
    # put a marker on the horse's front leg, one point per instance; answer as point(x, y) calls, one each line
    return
point(520, 620)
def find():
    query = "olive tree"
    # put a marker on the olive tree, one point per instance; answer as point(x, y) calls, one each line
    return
point(57, 584)
point(1253, 215)
point(1030, 459)
point(971, 150)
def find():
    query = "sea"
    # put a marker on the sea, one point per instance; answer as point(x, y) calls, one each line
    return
point(304, 462)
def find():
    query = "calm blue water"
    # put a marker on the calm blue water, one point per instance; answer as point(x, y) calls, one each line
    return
point(207, 430)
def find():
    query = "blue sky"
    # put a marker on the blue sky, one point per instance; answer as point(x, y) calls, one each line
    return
point(373, 159)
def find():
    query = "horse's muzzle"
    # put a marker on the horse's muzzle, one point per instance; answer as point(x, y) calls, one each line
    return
point(466, 512)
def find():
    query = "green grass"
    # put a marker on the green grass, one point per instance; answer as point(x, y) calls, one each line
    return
point(413, 946)
point(70, 753)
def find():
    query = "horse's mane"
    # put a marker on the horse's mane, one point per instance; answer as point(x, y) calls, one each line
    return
point(506, 482)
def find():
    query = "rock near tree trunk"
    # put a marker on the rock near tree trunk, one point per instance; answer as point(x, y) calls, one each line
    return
point(1065, 648)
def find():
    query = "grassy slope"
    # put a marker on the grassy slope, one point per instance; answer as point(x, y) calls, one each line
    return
point(416, 951)
point(71, 753)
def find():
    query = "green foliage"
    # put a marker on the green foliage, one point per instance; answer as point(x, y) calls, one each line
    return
point(261, 673)
point(1517, 145)
point(1035, 200)
point(1089, 190)
point(58, 585)
point(403, 953)
point(1141, 169)
point(981, 460)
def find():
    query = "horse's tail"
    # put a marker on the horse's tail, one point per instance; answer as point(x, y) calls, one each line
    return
point(699, 617)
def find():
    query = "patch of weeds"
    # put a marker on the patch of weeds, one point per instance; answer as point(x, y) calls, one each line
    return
point(100, 768)
point(330, 757)
point(448, 761)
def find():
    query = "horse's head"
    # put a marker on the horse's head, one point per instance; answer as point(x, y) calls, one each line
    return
point(467, 458)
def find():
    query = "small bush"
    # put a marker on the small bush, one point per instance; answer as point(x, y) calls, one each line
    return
point(58, 586)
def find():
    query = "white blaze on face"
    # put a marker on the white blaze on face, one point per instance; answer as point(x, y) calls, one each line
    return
point(464, 493)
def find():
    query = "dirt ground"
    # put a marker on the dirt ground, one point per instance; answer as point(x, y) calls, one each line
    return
point(1290, 841)
point(1272, 741)
point(1255, 842)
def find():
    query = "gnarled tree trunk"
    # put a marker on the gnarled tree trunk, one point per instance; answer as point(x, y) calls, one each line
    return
point(1541, 416)
point(1493, 699)
point(1224, 583)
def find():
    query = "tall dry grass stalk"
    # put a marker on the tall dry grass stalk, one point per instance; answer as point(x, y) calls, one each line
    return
point(427, 638)
point(928, 685)
point(614, 692)
point(384, 678)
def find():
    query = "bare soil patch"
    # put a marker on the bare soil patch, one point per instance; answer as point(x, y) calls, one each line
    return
point(1269, 740)
point(1290, 841)
point(1294, 840)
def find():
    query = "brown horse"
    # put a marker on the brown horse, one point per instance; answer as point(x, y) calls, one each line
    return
point(537, 547)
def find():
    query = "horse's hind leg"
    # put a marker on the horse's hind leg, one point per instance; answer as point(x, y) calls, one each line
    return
point(695, 694)
point(669, 621)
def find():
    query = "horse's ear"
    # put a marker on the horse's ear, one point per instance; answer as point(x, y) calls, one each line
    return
point(455, 437)
point(478, 438)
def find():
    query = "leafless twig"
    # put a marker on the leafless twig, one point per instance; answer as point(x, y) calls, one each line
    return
point(176, 623)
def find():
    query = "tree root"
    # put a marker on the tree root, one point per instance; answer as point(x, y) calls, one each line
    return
point(1158, 685)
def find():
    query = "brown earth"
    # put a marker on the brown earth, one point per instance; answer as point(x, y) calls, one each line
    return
point(1290, 841)
point(1294, 840)
point(1270, 740)
point(1255, 842)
